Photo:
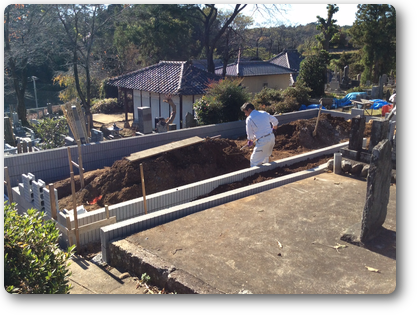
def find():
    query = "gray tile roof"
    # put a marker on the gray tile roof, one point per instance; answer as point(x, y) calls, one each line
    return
point(253, 68)
point(289, 59)
point(167, 77)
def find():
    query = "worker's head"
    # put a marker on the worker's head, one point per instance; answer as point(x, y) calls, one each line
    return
point(247, 108)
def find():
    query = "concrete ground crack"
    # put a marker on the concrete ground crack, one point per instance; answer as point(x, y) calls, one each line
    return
point(82, 286)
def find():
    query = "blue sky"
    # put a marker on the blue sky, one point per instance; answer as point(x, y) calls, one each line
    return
point(301, 14)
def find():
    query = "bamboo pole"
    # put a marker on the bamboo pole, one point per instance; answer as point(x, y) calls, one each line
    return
point(143, 189)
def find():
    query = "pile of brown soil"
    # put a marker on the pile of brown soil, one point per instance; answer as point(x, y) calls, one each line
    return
point(210, 158)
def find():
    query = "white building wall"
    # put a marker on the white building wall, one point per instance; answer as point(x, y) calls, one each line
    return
point(161, 109)
point(154, 107)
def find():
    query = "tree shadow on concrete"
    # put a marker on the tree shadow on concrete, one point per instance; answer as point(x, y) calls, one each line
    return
point(384, 243)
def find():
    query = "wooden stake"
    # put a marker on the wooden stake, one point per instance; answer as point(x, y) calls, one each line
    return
point(317, 122)
point(143, 188)
point(106, 209)
point(74, 204)
point(69, 158)
point(80, 164)
point(53, 201)
point(69, 227)
point(74, 199)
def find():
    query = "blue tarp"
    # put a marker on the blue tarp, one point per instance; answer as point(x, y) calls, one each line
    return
point(347, 99)
point(312, 106)
point(378, 103)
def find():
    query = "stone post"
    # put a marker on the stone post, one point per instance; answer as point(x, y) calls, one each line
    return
point(377, 197)
point(356, 133)
point(144, 120)
point(379, 132)
point(337, 165)
point(377, 191)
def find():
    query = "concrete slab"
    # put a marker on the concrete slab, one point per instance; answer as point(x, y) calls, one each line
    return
point(89, 278)
point(281, 241)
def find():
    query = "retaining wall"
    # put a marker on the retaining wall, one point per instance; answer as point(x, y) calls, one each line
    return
point(52, 165)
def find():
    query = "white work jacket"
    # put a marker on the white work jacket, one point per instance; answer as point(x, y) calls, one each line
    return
point(258, 124)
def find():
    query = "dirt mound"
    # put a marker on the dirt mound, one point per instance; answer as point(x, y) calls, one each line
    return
point(210, 158)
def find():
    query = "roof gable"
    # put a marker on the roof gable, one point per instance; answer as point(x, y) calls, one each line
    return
point(288, 58)
point(167, 77)
point(253, 68)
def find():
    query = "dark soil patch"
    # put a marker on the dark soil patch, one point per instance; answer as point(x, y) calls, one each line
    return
point(267, 175)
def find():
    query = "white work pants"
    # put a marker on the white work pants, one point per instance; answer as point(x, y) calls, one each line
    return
point(263, 150)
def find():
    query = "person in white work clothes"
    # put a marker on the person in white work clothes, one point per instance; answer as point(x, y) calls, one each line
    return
point(260, 130)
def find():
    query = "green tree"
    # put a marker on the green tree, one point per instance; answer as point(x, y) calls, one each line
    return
point(80, 26)
point(312, 72)
point(26, 43)
point(327, 27)
point(374, 30)
point(159, 32)
point(33, 261)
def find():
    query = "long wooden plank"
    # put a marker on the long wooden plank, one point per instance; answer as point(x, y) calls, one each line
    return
point(163, 148)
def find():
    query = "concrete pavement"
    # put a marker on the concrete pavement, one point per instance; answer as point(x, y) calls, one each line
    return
point(89, 278)
point(282, 241)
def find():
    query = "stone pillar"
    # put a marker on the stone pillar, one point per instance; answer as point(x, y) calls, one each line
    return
point(337, 165)
point(144, 120)
point(377, 191)
point(379, 132)
point(377, 197)
point(356, 133)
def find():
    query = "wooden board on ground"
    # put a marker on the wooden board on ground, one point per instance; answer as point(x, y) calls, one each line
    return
point(163, 148)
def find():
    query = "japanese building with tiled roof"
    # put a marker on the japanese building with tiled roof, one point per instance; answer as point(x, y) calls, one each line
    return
point(259, 74)
point(149, 87)
point(289, 59)
point(167, 77)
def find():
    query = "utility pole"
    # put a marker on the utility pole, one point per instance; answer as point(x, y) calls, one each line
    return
point(33, 78)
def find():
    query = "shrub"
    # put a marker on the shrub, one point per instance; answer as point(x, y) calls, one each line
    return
point(50, 132)
point(206, 113)
point(289, 104)
point(224, 98)
point(267, 97)
point(300, 92)
point(33, 261)
point(106, 106)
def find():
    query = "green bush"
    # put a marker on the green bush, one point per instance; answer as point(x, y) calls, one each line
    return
point(267, 97)
point(223, 99)
point(106, 106)
point(300, 92)
point(50, 131)
point(33, 261)
point(289, 100)
point(206, 114)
